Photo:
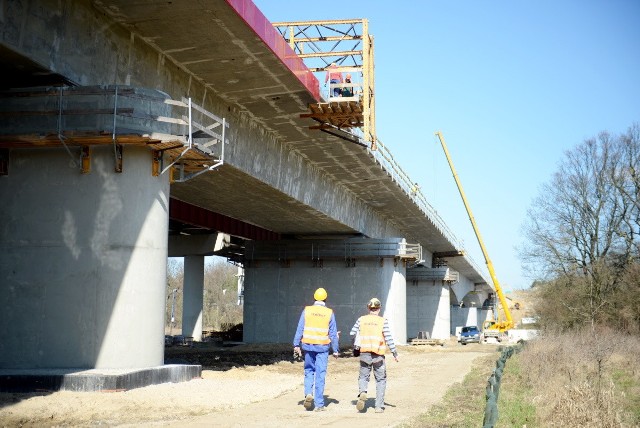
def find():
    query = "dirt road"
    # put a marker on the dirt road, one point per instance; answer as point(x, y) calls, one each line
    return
point(267, 395)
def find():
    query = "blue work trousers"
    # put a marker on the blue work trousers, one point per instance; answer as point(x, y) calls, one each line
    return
point(315, 371)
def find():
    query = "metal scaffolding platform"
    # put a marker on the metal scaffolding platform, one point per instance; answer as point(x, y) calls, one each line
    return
point(184, 138)
point(346, 44)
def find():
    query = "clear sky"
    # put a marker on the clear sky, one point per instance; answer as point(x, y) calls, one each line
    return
point(512, 85)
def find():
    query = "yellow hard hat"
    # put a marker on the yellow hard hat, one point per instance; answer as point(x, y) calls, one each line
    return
point(320, 294)
point(374, 304)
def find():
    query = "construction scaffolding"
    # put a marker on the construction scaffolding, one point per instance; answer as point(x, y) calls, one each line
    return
point(185, 139)
point(347, 44)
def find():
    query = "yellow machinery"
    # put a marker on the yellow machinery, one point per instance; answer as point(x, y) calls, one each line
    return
point(495, 328)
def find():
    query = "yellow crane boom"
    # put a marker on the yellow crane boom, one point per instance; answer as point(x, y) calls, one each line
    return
point(500, 325)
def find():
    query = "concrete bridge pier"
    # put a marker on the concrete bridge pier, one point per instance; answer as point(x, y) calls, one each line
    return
point(428, 296)
point(193, 297)
point(82, 266)
point(280, 279)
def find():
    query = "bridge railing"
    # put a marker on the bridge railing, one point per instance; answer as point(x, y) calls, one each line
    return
point(386, 159)
point(354, 88)
point(203, 131)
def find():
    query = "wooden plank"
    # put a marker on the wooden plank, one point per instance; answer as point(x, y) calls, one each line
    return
point(427, 341)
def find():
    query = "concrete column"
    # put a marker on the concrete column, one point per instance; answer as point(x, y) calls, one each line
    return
point(464, 316)
point(442, 326)
point(193, 297)
point(240, 276)
point(394, 302)
point(82, 260)
point(428, 309)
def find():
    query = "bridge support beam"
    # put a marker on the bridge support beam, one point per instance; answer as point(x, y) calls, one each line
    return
point(281, 278)
point(82, 260)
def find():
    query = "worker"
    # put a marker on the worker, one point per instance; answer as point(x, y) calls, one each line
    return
point(316, 330)
point(347, 91)
point(414, 189)
point(334, 77)
point(373, 333)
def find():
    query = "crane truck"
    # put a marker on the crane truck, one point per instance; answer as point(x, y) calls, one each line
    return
point(498, 327)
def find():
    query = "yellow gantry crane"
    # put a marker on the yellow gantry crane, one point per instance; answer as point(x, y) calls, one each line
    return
point(498, 327)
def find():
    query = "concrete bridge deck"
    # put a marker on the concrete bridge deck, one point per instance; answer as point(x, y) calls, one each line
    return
point(278, 175)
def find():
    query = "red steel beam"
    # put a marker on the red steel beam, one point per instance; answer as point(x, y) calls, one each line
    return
point(199, 217)
point(254, 18)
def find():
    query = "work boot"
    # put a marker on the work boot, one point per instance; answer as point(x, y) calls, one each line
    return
point(362, 398)
point(308, 402)
point(379, 409)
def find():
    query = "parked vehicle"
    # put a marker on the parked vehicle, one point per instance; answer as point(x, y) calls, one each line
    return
point(469, 334)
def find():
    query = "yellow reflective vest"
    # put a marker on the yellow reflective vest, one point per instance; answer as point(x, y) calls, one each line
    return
point(316, 325)
point(371, 336)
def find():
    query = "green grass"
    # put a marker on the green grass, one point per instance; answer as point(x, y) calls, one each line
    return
point(528, 375)
point(464, 404)
point(515, 408)
point(629, 386)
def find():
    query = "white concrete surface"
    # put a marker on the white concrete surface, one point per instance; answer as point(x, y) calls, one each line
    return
point(428, 309)
point(193, 297)
point(276, 295)
point(82, 261)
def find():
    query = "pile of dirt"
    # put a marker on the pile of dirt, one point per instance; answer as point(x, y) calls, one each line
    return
point(213, 356)
point(521, 305)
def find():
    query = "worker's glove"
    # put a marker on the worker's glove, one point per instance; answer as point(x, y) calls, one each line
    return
point(297, 354)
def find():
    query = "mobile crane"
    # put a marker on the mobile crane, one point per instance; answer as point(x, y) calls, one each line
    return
point(494, 328)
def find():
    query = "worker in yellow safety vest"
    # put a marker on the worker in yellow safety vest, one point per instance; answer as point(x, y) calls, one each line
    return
point(372, 335)
point(316, 331)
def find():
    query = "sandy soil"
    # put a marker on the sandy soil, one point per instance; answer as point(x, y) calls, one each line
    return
point(240, 388)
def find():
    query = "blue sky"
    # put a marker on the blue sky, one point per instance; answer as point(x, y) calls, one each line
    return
point(512, 85)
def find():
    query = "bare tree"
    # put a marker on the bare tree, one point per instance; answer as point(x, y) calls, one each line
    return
point(583, 228)
point(220, 299)
point(175, 280)
point(626, 179)
point(221, 309)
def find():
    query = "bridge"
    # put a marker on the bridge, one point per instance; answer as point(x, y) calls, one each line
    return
point(136, 131)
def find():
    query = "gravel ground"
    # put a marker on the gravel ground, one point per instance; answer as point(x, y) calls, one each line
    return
point(253, 385)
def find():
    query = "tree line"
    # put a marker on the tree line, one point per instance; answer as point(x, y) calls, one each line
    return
point(582, 236)
point(220, 300)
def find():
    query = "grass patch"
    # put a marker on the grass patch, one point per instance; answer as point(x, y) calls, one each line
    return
point(515, 407)
point(582, 379)
point(629, 386)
